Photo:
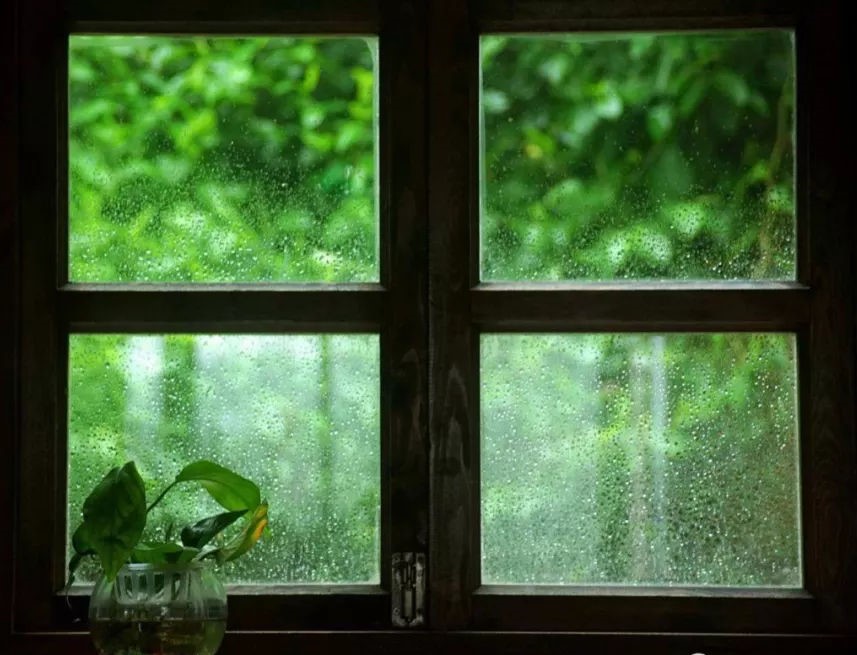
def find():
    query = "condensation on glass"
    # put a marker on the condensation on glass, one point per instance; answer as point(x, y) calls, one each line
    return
point(299, 415)
point(222, 159)
point(640, 460)
point(647, 156)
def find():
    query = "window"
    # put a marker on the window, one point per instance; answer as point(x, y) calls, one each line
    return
point(231, 160)
point(567, 309)
point(191, 269)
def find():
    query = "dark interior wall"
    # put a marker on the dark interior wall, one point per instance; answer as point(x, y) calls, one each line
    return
point(8, 299)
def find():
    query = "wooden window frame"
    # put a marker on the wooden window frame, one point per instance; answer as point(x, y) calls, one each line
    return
point(429, 308)
point(817, 308)
point(53, 307)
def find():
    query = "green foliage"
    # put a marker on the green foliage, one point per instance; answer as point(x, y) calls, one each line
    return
point(114, 516)
point(163, 553)
point(663, 157)
point(639, 459)
point(230, 490)
point(222, 159)
point(298, 417)
point(640, 156)
point(203, 531)
point(115, 513)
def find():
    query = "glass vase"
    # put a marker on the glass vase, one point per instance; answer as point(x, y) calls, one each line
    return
point(159, 609)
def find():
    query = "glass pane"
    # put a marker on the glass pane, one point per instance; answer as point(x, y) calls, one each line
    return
point(222, 159)
point(299, 415)
point(648, 156)
point(640, 460)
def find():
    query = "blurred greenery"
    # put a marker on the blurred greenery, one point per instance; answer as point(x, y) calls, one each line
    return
point(639, 459)
point(605, 158)
point(222, 159)
point(652, 156)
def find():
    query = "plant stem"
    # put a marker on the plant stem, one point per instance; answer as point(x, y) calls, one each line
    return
point(159, 498)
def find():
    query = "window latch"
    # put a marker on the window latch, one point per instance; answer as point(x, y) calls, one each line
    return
point(409, 588)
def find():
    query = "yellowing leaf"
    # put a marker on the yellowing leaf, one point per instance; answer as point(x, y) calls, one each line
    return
point(247, 538)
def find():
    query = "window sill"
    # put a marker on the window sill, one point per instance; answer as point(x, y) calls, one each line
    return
point(451, 643)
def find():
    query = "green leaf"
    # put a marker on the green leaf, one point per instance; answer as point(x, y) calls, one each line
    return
point(163, 553)
point(731, 84)
point(659, 121)
point(246, 539)
point(229, 489)
point(81, 541)
point(687, 218)
point(201, 532)
point(350, 133)
point(114, 516)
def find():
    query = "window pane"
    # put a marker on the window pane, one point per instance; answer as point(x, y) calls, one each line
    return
point(299, 415)
point(640, 459)
point(649, 156)
point(222, 159)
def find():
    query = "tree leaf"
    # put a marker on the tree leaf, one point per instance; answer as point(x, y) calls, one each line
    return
point(246, 539)
point(114, 516)
point(163, 553)
point(201, 532)
point(659, 121)
point(229, 489)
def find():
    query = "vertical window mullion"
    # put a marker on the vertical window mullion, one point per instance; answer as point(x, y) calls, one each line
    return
point(453, 182)
point(404, 274)
point(9, 293)
point(829, 459)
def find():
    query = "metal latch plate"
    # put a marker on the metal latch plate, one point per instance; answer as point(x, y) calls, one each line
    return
point(408, 589)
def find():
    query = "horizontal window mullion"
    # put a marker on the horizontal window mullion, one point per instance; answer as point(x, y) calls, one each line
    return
point(644, 307)
point(288, 607)
point(337, 308)
point(761, 610)
point(558, 15)
point(165, 16)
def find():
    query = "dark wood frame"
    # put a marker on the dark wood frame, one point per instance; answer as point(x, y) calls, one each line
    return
point(9, 299)
point(818, 308)
point(54, 307)
point(430, 313)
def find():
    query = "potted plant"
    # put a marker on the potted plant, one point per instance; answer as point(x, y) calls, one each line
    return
point(162, 596)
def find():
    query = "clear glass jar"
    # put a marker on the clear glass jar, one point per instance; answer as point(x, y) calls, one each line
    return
point(159, 608)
